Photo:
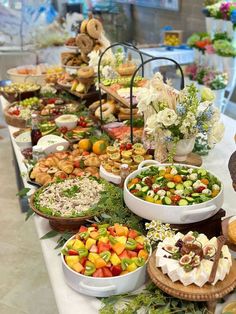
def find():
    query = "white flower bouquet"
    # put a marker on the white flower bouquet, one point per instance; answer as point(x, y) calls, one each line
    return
point(174, 115)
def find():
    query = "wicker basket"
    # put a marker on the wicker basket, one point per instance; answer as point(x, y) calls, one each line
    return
point(60, 224)
point(14, 120)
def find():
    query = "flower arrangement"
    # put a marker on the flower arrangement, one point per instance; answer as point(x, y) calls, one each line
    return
point(221, 10)
point(206, 76)
point(224, 48)
point(177, 115)
point(199, 41)
point(157, 231)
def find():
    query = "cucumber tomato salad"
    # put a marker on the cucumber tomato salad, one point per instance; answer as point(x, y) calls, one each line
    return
point(174, 185)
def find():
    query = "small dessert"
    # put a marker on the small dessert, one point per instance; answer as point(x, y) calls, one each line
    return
point(189, 258)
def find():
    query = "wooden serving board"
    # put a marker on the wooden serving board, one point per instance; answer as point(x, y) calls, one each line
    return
point(90, 94)
point(114, 95)
point(193, 159)
point(208, 292)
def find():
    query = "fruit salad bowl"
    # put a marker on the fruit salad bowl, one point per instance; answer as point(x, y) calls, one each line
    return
point(173, 193)
point(101, 269)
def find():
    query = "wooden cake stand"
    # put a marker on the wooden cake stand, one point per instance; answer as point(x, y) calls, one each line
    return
point(208, 293)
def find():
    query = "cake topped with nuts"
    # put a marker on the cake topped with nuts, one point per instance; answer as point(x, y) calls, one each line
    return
point(189, 258)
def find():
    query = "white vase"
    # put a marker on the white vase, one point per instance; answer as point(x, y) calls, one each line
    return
point(218, 62)
point(210, 60)
point(229, 66)
point(210, 22)
point(197, 55)
point(219, 25)
point(219, 97)
point(229, 28)
point(183, 148)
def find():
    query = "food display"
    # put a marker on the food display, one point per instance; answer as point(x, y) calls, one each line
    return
point(189, 258)
point(19, 91)
point(106, 251)
point(63, 165)
point(68, 121)
point(121, 132)
point(70, 42)
point(72, 59)
point(175, 185)
point(173, 38)
point(53, 73)
point(68, 198)
point(22, 109)
point(125, 153)
point(66, 79)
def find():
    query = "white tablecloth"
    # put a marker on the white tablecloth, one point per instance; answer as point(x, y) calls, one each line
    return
point(69, 301)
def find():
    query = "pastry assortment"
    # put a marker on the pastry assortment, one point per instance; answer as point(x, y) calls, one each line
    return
point(63, 165)
point(189, 258)
point(124, 153)
point(72, 59)
point(106, 251)
point(232, 230)
point(175, 185)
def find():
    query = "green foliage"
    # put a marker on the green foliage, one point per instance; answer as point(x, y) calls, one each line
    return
point(22, 193)
point(150, 301)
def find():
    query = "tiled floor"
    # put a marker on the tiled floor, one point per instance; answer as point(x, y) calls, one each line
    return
point(24, 282)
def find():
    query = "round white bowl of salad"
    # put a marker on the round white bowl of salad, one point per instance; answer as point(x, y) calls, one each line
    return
point(173, 193)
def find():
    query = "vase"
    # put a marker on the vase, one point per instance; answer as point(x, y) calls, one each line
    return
point(229, 66)
point(218, 63)
point(197, 55)
point(183, 148)
point(229, 28)
point(210, 22)
point(219, 98)
point(219, 25)
point(209, 60)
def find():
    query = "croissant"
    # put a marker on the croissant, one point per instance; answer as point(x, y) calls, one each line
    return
point(43, 178)
point(35, 172)
point(60, 174)
point(92, 170)
point(66, 166)
point(61, 155)
point(92, 162)
point(78, 172)
point(51, 161)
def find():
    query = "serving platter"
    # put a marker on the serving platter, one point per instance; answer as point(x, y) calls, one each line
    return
point(60, 224)
point(207, 293)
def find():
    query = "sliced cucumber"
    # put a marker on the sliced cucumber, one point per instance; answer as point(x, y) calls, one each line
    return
point(183, 171)
point(145, 189)
point(179, 187)
point(159, 179)
point(132, 187)
point(189, 199)
point(202, 172)
point(183, 202)
point(195, 195)
point(167, 200)
point(171, 185)
point(188, 183)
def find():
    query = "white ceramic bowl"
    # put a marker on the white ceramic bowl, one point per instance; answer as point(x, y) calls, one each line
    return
point(52, 143)
point(168, 213)
point(67, 120)
point(110, 177)
point(103, 287)
point(23, 78)
point(23, 140)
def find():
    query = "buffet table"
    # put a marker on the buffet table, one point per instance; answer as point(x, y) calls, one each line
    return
point(69, 301)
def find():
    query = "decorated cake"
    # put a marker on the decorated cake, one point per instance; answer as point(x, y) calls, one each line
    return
point(189, 258)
